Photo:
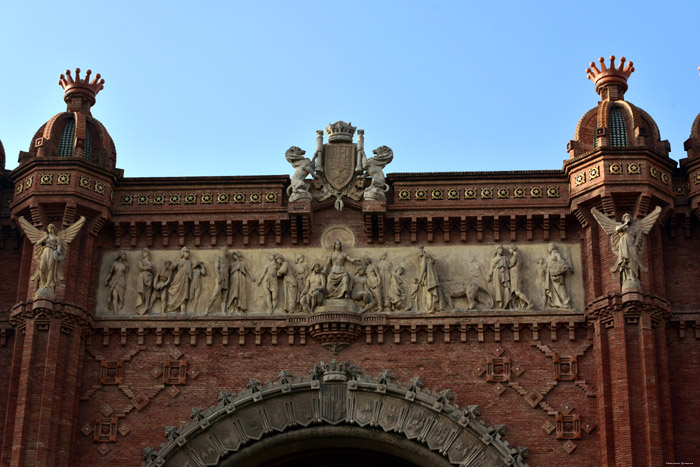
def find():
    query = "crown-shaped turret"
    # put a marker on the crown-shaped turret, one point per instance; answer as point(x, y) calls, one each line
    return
point(610, 82)
point(80, 93)
point(340, 132)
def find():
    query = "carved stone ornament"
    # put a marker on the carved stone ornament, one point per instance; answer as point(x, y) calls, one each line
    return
point(339, 398)
point(339, 278)
point(339, 168)
point(627, 241)
point(50, 250)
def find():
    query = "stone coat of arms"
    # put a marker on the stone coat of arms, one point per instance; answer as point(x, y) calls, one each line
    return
point(339, 168)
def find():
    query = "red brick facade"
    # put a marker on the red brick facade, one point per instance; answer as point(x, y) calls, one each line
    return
point(611, 380)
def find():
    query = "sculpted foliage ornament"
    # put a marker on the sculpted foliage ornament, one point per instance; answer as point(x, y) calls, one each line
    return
point(627, 241)
point(50, 250)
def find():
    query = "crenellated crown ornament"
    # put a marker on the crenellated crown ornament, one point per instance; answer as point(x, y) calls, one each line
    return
point(82, 87)
point(340, 132)
point(610, 78)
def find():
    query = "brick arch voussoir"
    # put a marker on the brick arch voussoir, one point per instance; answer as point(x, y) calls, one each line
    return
point(335, 395)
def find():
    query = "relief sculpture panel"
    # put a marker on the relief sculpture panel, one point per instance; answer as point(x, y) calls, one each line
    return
point(285, 281)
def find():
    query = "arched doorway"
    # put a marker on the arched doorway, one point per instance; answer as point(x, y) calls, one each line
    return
point(336, 417)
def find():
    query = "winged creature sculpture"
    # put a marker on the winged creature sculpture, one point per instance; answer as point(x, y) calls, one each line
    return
point(50, 249)
point(627, 239)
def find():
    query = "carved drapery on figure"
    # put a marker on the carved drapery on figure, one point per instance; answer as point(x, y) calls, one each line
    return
point(238, 284)
point(499, 277)
point(116, 282)
point(627, 240)
point(556, 269)
point(50, 250)
point(338, 279)
point(179, 289)
point(144, 291)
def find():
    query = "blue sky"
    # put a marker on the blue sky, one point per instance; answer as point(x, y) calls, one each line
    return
point(224, 88)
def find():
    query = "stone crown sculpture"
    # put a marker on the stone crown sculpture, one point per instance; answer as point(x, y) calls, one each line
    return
point(83, 87)
point(612, 75)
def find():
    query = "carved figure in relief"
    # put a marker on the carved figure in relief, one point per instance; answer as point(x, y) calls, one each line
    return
point(360, 291)
point(627, 241)
point(238, 284)
point(499, 277)
point(386, 270)
point(474, 291)
point(429, 281)
point(179, 289)
point(50, 249)
point(221, 269)
point(289, 284)
point(339, 281)
point(541, 278)
point(374, 282)
point(312, 293)
point(144, 284)
point(198, 270)
point(161, 284)
point(303, 167)
point(375, 169)
point(556, 293)
point(397, 293)
point(270, 283)
point(518, 298)
point(415, 291)
point(116, 282)
point(301, 270)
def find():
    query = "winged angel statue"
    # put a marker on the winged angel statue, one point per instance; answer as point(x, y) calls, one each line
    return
point(50, 249)
point(627, 239)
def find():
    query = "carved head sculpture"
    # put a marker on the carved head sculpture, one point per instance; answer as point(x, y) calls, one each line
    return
point(184, 252)
point(626, 218)
point(366, 260)
point(51, 229)
point(338, 245)
point(513, 249)
point(382, 257)
point(398, 270)
point(224, 251)
point(168, 264)
point(316, 267)
point(271, 258)
point(421, 250)
point(121, 255)
point(499, 250)
point(145, 254)
point(300, 259)
point(551, 247)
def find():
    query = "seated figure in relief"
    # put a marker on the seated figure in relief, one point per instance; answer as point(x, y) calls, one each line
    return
point(338, 279)
point(312, 293)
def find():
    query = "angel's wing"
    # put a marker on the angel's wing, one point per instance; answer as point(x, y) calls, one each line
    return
point(607, 224)
point(33, 234)
point(68, 234)
point(645, 224)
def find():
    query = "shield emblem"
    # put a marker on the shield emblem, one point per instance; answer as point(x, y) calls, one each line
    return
point(339, 164)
